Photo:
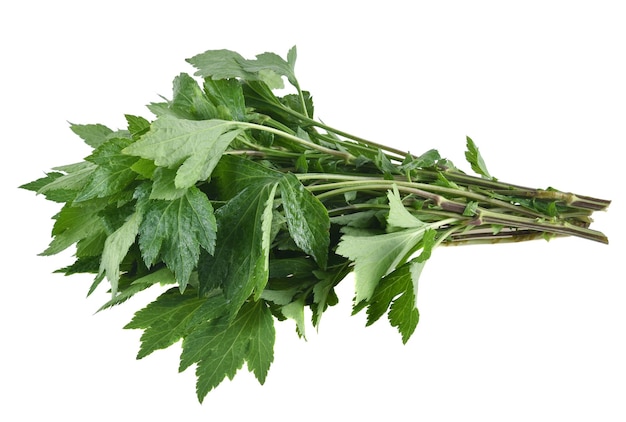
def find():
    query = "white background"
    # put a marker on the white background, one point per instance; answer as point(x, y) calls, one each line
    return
point(507, 333)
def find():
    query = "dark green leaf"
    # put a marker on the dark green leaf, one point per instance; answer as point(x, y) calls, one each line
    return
point(307, 219)
point(174, 231)
point(165, 321)
point(220, 348)
point(228, 94)
point(397, 287)
point(233, 174)
point(137, 125)
point(240, 264)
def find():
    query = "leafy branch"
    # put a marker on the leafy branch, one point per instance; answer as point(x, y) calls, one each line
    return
point(247, 209)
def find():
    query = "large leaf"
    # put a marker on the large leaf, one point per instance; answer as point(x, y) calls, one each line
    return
point(166, 320)
point(174, 231)
point(226, 64)
point(240, 264)
point(220, 348)
point(195, 147)
point(375, 256)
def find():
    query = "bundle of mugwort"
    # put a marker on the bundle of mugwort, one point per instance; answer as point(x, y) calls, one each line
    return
point(247, 209)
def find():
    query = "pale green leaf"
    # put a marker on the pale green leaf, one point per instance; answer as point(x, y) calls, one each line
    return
point(94, 135)
point(194, 147)
point(165, 321)
point(475, 159)
point(399, 216)
point(295, 311)
point(116, 247)
point(376, 256)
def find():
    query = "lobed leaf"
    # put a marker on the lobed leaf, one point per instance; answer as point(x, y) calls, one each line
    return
point(166, 320)
point(475, 159)
point(240, 263)
point(175, 231)
point(220, 348)
point(194, 147)
point(307, 219)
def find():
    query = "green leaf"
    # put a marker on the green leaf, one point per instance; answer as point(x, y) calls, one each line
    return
point(240, 264)
point(307, 219)
point(114, 172)
point(396, 288)
point(228, 94)
point(189, 101)
point(93, 135)
point(74, 224)
point(164, 185)
point(376, 256)
point(56, 195)
point(137, 125)
point(220, 348)
point(166, 320)
point(161, 276)
point(233, 174)
point(295, 311)
point(175, 230)
point(116, 247)
point(221, 64)
point(195, 146)
point(75, 179)
point(475, 159)
point(399, 216)
point(226, 64)
point(324, 294)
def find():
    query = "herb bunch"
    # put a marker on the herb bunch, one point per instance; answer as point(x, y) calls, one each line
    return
point(246, 209)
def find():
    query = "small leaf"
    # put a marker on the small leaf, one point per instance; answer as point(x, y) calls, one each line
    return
point(476, 160)
point(116, 247)
point(93, 135)
point(189, 101)
point(295, 311)
point(307, 219)
point(399, 216)
point(166, 320)
point(113, 173)
point(395, 293)
point(137, 125)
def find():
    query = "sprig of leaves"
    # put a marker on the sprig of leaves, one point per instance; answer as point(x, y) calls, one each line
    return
point(248, 210)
